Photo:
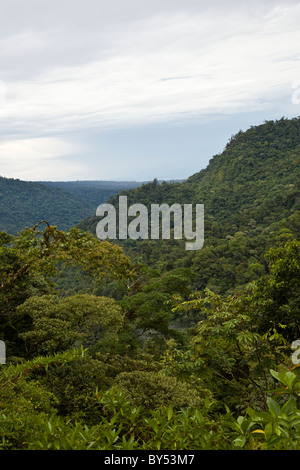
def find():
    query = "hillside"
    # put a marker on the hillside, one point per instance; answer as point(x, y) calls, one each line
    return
point(64, 204)
point(61, 203)
point(23, 204)
point(94, 192)
point(251, 196)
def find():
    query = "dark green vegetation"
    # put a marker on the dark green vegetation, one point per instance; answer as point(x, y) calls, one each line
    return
point(23, 204)
point(148, 346)
point(64, 204)
point(93, 192)
point(251, 198)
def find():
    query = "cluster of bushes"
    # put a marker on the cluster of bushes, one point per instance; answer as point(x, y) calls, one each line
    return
point(54, 403)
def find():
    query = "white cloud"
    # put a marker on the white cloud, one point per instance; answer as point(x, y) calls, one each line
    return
point(70, 72)
point(39, 158)
point(219, 64)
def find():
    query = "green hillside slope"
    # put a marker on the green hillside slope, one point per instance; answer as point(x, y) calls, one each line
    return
point(94, 192)
point(26, 203)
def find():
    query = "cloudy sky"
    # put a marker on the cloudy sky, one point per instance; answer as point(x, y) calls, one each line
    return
point(138, 89)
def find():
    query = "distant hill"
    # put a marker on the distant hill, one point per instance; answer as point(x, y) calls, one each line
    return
point(94, 192)
point(251, 196)
point(65, 204)
point(23, 204)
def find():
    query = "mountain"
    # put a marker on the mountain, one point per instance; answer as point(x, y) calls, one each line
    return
point(250, 193)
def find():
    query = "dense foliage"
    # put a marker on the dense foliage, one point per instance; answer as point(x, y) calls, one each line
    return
point(64, 204)
point(251, 197)
point(24, 203)
point(93, 192)
point(147, 346)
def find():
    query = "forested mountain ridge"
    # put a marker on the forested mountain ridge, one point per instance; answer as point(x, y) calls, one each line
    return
point(251, 197)
point(258, 163)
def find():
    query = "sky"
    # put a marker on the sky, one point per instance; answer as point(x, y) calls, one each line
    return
point(139, 89)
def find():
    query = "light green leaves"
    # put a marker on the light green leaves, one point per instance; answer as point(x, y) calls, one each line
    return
point(290, 378)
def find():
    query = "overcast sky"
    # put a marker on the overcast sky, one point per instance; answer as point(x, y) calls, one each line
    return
point(138, 89)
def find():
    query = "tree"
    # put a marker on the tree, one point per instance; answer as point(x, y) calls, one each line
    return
point(147, 310)
point(29, 261)
point(60, 324)
point(227, 351)
point(277, 296)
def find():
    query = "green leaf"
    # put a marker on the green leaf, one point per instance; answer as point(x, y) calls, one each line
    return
point(289, 406)
point(268, 431)
point(240, 441)
point(273, 407)
point(170, 412)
